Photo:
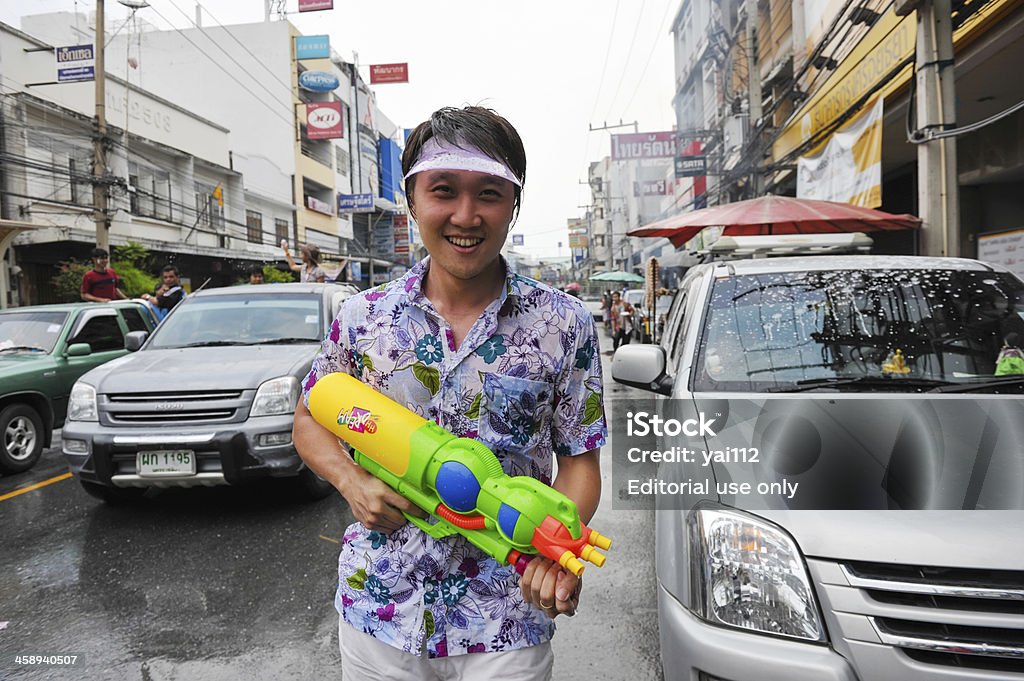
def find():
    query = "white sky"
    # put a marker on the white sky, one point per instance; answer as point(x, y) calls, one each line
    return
point(552, 68)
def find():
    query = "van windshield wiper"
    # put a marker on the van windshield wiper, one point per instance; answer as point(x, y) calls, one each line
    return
point(213, 344)
point(32, 348)
point(288, 341)
point(886, 382)
point(988, 384)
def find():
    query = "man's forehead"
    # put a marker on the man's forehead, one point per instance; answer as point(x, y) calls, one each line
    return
point(463, 176)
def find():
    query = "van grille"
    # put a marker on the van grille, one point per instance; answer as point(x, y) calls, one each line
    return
point(210, 406)
point(941, 597)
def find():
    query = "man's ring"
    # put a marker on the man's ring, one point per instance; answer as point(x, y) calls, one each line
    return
point(547, 606)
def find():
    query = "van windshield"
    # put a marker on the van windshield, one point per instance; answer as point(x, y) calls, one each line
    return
point(865, 330)
point(247, 319)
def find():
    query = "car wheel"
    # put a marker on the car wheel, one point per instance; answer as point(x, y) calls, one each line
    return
point(113, 495)
point(312, 486)
point(21, 438)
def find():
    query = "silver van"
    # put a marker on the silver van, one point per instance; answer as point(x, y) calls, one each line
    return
point(862, 443)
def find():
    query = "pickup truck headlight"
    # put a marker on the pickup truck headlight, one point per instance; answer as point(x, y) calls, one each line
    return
point(748, 573)
point(82, 403)
point(276, 396)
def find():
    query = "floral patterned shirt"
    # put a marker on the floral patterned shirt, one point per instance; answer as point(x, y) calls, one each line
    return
point(527, 382)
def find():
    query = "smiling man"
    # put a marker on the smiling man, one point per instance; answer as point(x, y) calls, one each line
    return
point(488, 354)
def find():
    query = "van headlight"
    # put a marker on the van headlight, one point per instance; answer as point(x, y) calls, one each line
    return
point(82, 403)
point(276, 396)
point(748, 573)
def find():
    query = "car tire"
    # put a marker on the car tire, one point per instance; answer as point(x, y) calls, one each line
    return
point(312, 486)
point(113, 495)
point(21, 438)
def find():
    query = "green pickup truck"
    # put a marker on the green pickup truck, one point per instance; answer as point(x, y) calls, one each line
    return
point(43, 351)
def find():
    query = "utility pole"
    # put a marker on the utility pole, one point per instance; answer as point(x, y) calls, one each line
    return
point(754, 109)
point(99, 165)
point(937, 182)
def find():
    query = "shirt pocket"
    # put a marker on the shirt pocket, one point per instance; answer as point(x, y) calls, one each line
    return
point(515, 413)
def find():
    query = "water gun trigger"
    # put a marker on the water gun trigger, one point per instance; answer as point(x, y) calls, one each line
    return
point(437, 530)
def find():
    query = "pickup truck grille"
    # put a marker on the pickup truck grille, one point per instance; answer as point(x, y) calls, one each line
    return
point(210, 406)
point(966, 620)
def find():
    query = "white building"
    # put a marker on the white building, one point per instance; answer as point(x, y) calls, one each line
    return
point(163, 165)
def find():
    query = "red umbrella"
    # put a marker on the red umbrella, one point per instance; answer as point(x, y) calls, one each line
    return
point(776, 215)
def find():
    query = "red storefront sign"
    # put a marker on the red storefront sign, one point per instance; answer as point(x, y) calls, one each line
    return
point(323, 120)
point(315, 5)
point(643, 145)
point(401, 225)
point(389, 73)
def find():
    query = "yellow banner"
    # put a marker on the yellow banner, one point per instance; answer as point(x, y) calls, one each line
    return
point(849, 168)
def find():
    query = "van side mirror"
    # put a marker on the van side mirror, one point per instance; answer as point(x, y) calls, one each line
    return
point(79, 350)
point(642, 366)
point(133, 340)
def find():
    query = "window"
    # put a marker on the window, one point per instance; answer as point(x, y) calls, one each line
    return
point(102, 333)
point(133, 319)
point(281, 229)
point(791, 329)
point(254, 226)
point(58, 152)
point(150, 193)
point(342, 161)
point(209, 213)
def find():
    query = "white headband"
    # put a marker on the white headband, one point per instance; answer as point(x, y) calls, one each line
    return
point(439, 155)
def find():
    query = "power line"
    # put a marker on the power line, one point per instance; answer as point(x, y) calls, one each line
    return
point(259, 61)
point(625, 63)
point(263, 101)
point(654, 48)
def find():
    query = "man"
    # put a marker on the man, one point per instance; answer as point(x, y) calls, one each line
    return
point(101, 284)
point(487, 354)
point(167, 294)
point(256, 275)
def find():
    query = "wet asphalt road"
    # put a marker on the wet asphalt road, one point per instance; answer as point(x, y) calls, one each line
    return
point(224, 584)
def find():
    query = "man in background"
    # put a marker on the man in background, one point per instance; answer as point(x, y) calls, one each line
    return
point(101, 284)
point(167, 294)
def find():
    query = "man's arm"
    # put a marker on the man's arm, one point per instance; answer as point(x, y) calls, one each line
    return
point(373, 503)
point(544, 582)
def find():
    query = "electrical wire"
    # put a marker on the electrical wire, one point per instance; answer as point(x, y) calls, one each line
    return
point(629, 54)
point(289, 119)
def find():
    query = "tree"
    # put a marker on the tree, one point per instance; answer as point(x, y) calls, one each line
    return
point(132, 262)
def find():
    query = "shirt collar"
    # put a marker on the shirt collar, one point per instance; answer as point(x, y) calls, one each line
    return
point(412, 282)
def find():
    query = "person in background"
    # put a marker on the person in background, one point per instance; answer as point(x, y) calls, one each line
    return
point(519, 371)
point(1010, 361)
point(101, 284)
point(256, 275)
point(309, 270)
point(167, 294)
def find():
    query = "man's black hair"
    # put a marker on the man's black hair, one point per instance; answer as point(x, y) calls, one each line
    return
point(169, 268)
point(475, 126)
point(98, 253)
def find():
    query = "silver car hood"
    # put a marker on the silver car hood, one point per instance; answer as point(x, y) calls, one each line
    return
point(966, 539)
point(227, 368)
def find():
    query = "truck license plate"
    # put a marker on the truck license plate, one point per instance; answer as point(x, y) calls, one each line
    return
point(166, 462)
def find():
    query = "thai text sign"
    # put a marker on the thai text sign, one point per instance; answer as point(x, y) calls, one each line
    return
point(401, 223)
point(651, 188)
point(323, 120)
point(643, 145)
point(389, 73)
point(74, 63)
point(355, 203)
point(315, 5)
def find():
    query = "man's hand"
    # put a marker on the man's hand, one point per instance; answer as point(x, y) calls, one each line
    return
point(545, 584)
point(374, 504)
